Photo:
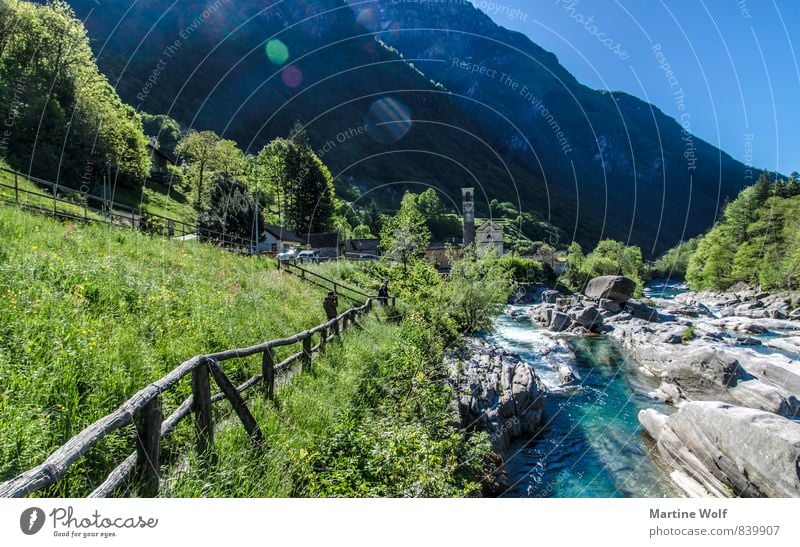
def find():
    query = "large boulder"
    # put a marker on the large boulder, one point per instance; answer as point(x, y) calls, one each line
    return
point(642, 311)
point(763, 396)
point(560, 321)
point(589, 317)
point(729, 450)
point(702, 370)
point(611, 287)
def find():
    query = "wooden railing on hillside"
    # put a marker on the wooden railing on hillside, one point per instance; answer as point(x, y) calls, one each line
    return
point(111, 212)
point(327, 283)
point(145, 411)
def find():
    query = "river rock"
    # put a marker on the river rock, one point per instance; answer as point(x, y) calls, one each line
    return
point(589, 317)
point(729, 450)
point(567, 374)
point(611, 287)
point(762, 396)
point(609, 305)
point(498, 392)
point(702, 370)
point(550, 296)
point(560, 321)
point(641, 311)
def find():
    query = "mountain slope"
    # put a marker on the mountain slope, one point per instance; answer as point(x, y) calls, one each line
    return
point(629, 158)
point(591, 163)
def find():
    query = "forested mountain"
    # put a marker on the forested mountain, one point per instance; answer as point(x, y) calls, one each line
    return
point(388, 105)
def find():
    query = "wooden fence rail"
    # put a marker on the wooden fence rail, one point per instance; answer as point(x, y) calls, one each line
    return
point(144, 410)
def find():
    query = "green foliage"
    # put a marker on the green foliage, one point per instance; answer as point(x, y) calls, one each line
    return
point(302, 184)
point(673, 263)
point(688, 335)
point(91, 315)
point(164, 130)
point(63, 117)
point(525, 270)
point(475, 291)
point(230, 214)
point(608, 258)
point(406, 235)
point(756, 241)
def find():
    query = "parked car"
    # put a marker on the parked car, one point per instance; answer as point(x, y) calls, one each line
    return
point(306, 257)
point(288, 255)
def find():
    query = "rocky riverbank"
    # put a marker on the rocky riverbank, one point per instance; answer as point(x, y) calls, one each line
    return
point(499, 393)
point(704, 347)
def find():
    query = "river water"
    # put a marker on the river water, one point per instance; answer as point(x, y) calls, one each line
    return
point(592, 444)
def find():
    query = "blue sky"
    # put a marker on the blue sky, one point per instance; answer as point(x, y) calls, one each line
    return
point(737, 61)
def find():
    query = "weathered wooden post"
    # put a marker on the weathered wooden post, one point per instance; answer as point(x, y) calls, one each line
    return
point(268, 372)
point(238, 404)
point(16, 186)
point(148, 447)
point(203, 418)
point(306, 359)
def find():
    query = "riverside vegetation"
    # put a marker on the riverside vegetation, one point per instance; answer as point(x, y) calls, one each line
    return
point(94, 313)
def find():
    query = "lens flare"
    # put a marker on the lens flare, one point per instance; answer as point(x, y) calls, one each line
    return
point(292, 76)
point(388, 120)
point(277, 52)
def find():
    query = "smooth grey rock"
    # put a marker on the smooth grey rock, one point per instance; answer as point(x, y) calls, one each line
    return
point(550, 296)
point(730, 450)
point(567, 374)
point(762, 396)
point(609, 305)
point(642, 311)
point(611, 287)
point(702, 370)
point(560, 321)
point(589, 317)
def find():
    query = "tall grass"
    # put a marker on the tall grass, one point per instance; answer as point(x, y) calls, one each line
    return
point(91, 314)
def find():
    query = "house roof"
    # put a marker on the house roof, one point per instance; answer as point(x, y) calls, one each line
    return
point(323, 241)
point(489, 224)
point(158, 152)
point(282, 233)
point(442, 245)
point(363, 244)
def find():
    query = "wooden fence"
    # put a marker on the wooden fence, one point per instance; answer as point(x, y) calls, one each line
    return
point(91, 208)
point(145, 411)
point(329, 284)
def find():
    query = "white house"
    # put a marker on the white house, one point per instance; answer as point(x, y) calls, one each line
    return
point(275, 239)
point(489, 238)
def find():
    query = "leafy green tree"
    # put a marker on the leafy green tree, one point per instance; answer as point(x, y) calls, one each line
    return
point(405, 235)
point(198, 149)
point(65, 121)
point(166, 131)
point(303, 184)
point(476, 291)
point(230, 214)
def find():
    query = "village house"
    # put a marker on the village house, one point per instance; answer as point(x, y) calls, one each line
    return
point(441, 253)
point(159, 163)
point(276, 239)
point(363, 248)
point(327, 245)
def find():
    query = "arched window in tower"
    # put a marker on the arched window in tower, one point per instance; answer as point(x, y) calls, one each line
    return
point(468, 196)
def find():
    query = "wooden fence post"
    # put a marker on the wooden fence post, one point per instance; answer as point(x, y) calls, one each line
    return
point(268, 372)
point(16, 186)
point(306, 359)
point(148, 446)
point(238, 404)
point(203, 418)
